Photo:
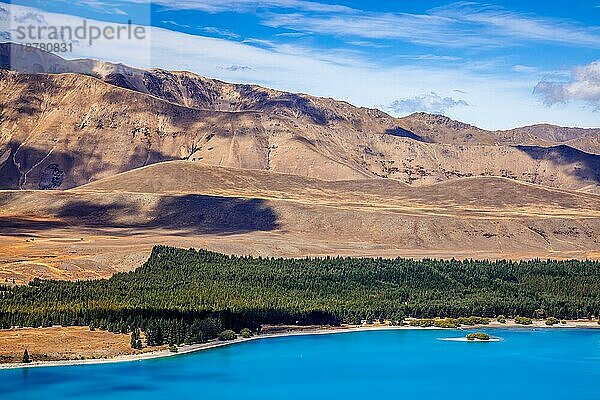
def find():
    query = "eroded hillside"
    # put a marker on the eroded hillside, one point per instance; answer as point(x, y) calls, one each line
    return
point(66, 123)
point(64, 130)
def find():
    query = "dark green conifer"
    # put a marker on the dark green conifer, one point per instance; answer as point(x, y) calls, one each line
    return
point(26, 359)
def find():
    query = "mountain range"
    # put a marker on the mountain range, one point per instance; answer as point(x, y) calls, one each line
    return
point(66, 123)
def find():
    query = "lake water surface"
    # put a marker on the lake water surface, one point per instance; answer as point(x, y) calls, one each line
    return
point(401, 364)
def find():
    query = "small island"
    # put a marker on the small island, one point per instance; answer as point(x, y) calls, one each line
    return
point(478, 336)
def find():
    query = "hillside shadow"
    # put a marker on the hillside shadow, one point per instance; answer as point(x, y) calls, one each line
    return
point(54, 169)
point(589, 164)
point(18, 226)
point(401, 132)
point(215, 214)
point(193, 214)
point(187, 214)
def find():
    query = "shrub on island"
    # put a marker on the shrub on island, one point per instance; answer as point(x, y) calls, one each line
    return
point(478, 336)
point(523, 321)
point(552, 321)
point(246, 333)
point(227, 335)
point(501, 319)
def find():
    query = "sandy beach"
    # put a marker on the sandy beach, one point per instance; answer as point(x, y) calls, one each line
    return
point(293, 331)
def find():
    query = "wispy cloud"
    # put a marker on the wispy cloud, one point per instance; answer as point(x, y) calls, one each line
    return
point(30, 17)
point(496, 21)
point(525, 69)
point(345, 57)
point(220, 32)
point(421, 29)
point(242, 6)
point(429, 57)
point(235, 68)
point(462, 24)
point(367, 43)
point(584, 85)
point(429, 102)
point(174, 23)
point(106, 7)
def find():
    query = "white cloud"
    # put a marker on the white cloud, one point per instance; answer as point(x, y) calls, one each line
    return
point(498, 22)
point(524, 69)
point(433, 57)
point(367, 43)
point(175, 23)
point(30, 18)
point(462, 24)
point(107, 7)
point(241, 6)
point(584, 85)
point(235, 68)
point(421, 29)
point(429, 102)
point(220, 32)
point(334, 56)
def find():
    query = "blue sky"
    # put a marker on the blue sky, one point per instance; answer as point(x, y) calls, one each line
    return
point(497, 64)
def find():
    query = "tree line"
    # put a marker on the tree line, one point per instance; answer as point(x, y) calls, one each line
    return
point(189, 296)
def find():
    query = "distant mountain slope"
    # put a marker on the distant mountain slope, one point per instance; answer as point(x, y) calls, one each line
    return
point(477, 194)
point(61, 130)
point(441, 129)
point(111, 224)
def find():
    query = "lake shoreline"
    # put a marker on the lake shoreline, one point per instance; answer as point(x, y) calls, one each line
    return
point(293, 331)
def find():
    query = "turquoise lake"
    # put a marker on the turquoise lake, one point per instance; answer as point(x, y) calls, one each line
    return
point(402, 364)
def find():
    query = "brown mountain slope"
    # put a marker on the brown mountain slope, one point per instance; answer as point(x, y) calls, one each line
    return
point(110, 225)
point(90, 129)
point(441, 129)
point(62, 130)
point(66, 130)
point(191, 90)
point(474, 194)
